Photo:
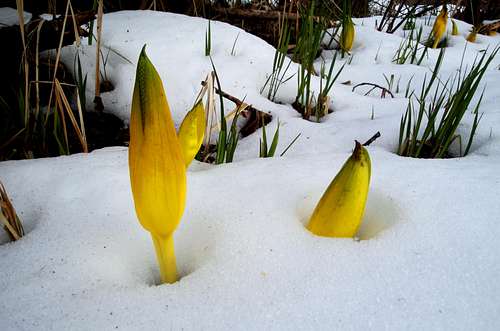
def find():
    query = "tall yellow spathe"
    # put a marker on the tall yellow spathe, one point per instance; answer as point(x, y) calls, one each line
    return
point(157, 165)
point(439, 27)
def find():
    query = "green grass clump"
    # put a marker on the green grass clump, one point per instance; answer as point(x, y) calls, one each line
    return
point(410, 23)
point(228, 138)
point(233, 49)
point(277, 77)
point(409, 49)
point(308, 45)
point(310, 36)
point(264, 150)
point(444, 111)
point(325, 85)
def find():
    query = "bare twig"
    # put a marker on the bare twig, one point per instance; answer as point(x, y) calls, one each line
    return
point(372, 139)
point(265, 14)
point(392, 28)
point(374, 86)
point(389, 19)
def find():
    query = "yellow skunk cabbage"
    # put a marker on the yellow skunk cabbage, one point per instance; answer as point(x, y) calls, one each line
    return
point(472, 36)
point(347, 35)
point(340, 211)
point(191, 132)
point(439, 27)
point(454, 28)
point(157, 165)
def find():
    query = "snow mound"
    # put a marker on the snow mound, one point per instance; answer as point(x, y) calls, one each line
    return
point(428, 251)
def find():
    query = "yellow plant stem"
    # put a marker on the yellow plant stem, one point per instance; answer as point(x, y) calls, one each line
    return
point(165, 254)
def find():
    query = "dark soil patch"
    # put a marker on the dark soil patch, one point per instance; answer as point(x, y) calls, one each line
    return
point(308, 115)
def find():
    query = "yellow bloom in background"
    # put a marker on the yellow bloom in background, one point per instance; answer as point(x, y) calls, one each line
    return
point(157, 165)
point(454, 28)
point(192, 132)
point(439, 27)
point(472, 36)
point(347, 35)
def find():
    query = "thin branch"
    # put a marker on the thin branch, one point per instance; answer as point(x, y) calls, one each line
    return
point(384, 90)
point(372, 139)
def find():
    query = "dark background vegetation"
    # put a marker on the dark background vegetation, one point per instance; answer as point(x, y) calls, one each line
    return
point(474, 9)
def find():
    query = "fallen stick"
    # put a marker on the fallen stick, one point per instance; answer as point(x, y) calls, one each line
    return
point(374, 86)
point(372, 139)
point(264, 14)
point(485, 29)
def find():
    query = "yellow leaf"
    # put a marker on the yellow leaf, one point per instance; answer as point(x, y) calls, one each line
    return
point(191, 132)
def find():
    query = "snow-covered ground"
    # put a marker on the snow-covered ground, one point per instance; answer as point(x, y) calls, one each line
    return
point(10, 16)
point(428, 252)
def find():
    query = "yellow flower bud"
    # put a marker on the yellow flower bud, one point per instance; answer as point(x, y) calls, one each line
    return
point(454, 28)
point(347, 35)
point(191, 132)
point(439, 27)
point(156, 164)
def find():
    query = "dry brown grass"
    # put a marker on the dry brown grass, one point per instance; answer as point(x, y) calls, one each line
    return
point(8, 216)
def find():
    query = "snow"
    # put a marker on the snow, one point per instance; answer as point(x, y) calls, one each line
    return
point(9, 17)
point(427, 255)
point(48, 17)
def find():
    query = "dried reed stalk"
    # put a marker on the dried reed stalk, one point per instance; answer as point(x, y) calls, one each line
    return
point(58, 55)
point(37, 69)
point(8, 216)
point(63, 103)
point(97, 99)
point(20, 14)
